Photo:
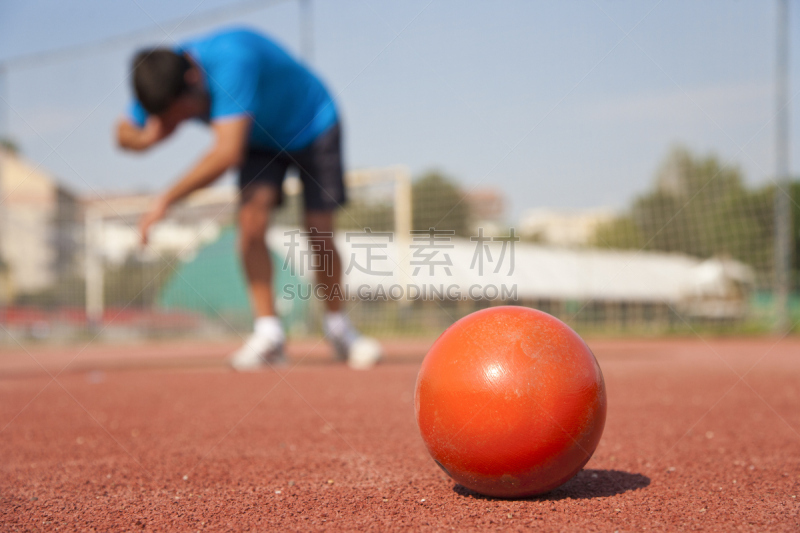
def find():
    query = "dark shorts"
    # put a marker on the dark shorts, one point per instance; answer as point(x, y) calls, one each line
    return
point(319, 165)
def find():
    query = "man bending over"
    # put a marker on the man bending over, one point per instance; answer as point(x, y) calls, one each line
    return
point(268, 113)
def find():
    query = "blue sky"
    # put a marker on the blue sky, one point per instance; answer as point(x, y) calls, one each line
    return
point(558, 104)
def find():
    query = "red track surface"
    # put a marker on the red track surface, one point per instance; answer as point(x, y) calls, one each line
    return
point(699, 436)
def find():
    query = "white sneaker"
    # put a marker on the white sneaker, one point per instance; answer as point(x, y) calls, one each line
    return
point(349, 345)
point(258, 352)
point(340, 345)
point(364, 353)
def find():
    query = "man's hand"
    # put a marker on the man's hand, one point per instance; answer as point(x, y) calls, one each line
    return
point(155, 214)
point(155, 130)
point(227, 152)
point(132, 137)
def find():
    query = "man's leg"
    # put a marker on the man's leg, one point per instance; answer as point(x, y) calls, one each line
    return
point(322, 173)
point(258, 200)
point(359, 351)
point(322, 222)
point(265, 346)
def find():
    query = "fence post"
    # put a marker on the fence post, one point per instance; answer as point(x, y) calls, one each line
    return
point(402, 224)
point(783, 212)
point(93, 265)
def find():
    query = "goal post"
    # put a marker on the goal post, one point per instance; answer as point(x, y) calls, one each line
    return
point(111, 236)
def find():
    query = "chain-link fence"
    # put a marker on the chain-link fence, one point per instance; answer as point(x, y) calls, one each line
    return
point(695, 251)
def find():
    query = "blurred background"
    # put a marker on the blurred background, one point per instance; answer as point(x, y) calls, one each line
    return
point(640, 151)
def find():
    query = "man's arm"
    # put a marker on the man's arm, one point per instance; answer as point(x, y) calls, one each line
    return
point(228, 149)
point(132, 137)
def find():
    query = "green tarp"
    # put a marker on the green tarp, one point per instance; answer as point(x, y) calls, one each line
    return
point(212, 283)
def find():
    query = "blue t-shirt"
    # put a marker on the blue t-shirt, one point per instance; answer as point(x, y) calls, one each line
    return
point(247, 73)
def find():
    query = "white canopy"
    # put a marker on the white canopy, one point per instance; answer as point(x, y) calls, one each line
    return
point(539, 272)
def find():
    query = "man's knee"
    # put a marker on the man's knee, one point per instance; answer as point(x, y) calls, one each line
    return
point(252, 235)
point(254, 215)
point(321, 221)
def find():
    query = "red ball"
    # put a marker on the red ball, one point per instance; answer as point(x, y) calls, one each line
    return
point(510, 402)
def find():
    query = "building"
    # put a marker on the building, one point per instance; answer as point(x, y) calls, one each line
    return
point(562, 227)
point(190, 225)
point(487, 209)
point(40, 231)
point(486, 204)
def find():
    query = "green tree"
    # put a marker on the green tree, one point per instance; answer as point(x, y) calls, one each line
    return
point(438, 202)
point(795, 193)
point(135, 283)
point(701, 207)
point(621, 233)
point(687, 212)
point(359, 213)
point(67, 291)
point(9, 145)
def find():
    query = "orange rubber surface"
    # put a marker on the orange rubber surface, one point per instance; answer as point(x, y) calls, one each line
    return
point(699, 436)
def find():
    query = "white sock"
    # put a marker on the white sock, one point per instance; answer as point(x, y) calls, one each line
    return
point(336, 324)
point(269, 327)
